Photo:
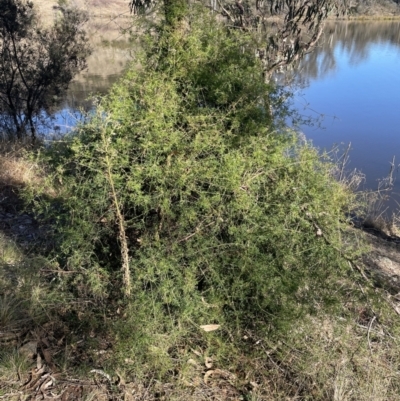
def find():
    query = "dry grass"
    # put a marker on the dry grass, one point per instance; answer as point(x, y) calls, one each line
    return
point(375, 216)
point(378, 213)
point(18, 170)
point(327, 358)
point(15, 169)
point(97, 8)
point(9, 251)
point(351, 360)
point(373, 207)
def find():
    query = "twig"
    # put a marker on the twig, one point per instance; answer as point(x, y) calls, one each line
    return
point(101, 373)
point(224, 10)
point(344, 161)
point(8, 395)
point(358, 268)
point(369, 330)
point(276, 365)
point(395, 308)
point(120, 218)
point(198, 228)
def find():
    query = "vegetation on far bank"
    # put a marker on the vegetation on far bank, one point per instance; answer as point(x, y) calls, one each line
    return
point(37, 64)
point(187, 246)
point(112, 8)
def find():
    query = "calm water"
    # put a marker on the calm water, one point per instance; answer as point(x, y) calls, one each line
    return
point(353, 79)
point(78, 101)
point(105, 66)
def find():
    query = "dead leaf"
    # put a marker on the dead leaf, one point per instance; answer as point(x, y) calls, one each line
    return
point(39, 363)
point(207, 375)
point(47, 356)
point(101, 373)
point(29, 350)
point(210, 327)
point(198, 353)
point(120, 380)
point(208, 362)
point(45, 386)
point(222, 373)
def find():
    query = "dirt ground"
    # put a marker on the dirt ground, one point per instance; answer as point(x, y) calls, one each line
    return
point(382, 263)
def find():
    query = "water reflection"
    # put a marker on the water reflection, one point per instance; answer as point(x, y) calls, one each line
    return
point(105, 66)
point(356, 39)
point(353, 77)
point(80, 91)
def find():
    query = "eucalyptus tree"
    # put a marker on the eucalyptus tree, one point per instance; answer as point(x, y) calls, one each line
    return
point(36, 63)
point(284, 30)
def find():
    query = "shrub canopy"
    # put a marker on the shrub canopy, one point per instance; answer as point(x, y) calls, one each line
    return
point(226, 221)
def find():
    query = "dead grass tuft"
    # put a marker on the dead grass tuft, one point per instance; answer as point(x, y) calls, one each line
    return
point(16, 170)
point(327, 358)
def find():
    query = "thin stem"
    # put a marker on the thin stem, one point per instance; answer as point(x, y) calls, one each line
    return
point(121, 222)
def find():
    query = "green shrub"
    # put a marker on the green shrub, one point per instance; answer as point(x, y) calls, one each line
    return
point(225, 221)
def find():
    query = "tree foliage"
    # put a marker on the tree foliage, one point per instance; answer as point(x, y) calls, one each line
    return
point(285, 30)
point(36, 64)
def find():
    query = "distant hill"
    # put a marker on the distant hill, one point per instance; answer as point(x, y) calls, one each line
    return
point(112, 8)
point(372, 8)
point(96, 8)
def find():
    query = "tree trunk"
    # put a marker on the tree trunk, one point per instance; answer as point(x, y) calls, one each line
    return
point(31, 126)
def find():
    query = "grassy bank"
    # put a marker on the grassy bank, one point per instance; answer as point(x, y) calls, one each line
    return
point(55, 344)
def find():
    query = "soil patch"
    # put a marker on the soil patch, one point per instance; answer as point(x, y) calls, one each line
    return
point(382, 263)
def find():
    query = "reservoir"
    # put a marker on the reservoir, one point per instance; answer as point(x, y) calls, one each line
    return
point(351, 83)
